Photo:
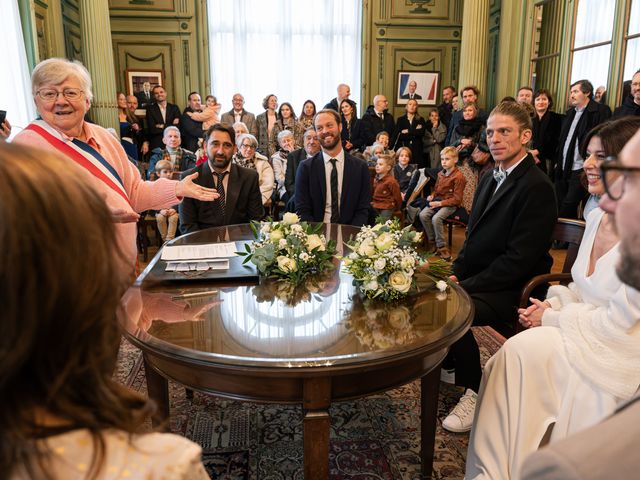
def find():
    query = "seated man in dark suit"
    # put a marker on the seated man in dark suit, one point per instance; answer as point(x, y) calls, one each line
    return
point(411, 92)
point(240, 200)
point(508, 240)
point(311, 147)
point(332, 186)
point(160, 115)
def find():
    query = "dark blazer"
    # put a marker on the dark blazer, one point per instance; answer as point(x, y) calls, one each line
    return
point(509, 233)
point(594, 114)
point(412, 139)
point(416, 96)
point(293, 162)
point(243, 200)
point(546, 131)
point(372, 125)
point(154, 117)
point(190, 130)
point(145, 102)
point(311, 190)
point(354, 134)
point(455, 120)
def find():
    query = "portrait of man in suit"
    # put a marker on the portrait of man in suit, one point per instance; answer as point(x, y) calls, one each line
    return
point(332, 186)
point(411, 91)
point(240, 200)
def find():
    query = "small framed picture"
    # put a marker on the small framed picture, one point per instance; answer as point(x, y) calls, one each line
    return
point(136, 80)
point(421, 86)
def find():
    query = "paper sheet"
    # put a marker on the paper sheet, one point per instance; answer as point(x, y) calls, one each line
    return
point(204, 252)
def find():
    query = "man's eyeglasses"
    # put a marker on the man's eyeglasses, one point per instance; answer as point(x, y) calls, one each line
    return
point(51, 94)
point(611, 170)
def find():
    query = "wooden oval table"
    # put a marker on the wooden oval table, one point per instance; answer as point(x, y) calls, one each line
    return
point(234, 337)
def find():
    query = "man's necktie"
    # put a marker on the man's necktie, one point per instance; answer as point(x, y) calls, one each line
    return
point(381, 115)
point(499, 176)
point(335, 211)
point(220, 188)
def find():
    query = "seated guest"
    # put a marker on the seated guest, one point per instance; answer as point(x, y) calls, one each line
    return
point(210, 114)
point(466, 133)
point(191, 128)
point(265, 123)
point(287, 120)
point(443, 201)
point(71, 419)
point(546, 131)
point(160, 115)
point(287, 144)
point(352, 139)
point(311, 147)
point(435, 132)
point(481, 157)
point(579, 362)
point(180, 158)
point(507, 243)
point(372, 153)
point(409, 132)
point(382, 139)
point(239, 114)
point(403, 171)
point(346, 195)
point(240, 200)
point(129, 128)
point(386, 198)
point(308, 112)
point(248, 157)
point(166, 218)
point(239, 128)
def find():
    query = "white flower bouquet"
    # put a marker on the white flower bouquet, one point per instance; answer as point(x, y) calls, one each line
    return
point(289, 250)
point(383, 261)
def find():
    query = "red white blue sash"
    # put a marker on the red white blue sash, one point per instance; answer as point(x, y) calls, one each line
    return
point(84, 155)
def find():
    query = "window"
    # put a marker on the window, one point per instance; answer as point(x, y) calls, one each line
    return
point(545, 53)
point(295, 50)
point(632, 57)
point(15, 88)
point(592, 41)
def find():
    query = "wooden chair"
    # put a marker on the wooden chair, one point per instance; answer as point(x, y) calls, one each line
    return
point(147, 220)
point(566, 230)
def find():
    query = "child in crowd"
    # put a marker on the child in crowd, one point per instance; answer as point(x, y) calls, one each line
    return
point(167, 218)
point(372, 153)
point(210, 115)
point(403, 169)
point(444, 200)
point(382, 138)
point(386, 191)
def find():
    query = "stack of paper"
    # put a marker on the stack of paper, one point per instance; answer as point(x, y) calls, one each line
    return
point(209, 256)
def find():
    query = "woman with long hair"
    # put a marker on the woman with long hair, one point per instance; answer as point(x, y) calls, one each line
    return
point(130, 128)
point(351, 134)
point(287, 120)
point(308, 112)
point(62, 415)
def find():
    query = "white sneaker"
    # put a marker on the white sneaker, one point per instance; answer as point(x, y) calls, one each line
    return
point(448, 375)
point(461, 417)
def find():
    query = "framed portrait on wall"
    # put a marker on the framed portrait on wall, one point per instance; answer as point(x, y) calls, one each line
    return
point(137, 78)
point(421, 86)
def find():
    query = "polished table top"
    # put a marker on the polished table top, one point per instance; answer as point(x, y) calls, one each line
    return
point(266, 325)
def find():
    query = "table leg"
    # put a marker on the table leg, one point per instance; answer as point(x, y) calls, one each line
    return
point(429, 389)
point(316, 427)
point(158, 390)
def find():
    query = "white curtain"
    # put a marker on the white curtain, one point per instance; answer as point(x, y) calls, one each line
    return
point(15, 83)
point(295, 49)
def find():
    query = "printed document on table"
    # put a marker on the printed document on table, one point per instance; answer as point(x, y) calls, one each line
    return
point(198, 252)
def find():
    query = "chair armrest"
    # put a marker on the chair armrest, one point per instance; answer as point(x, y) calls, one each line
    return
point(539, 280)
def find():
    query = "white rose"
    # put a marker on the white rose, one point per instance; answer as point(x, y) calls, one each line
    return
point(286, 264)
point(441, 285)
point(304, 256)
point(400, 281)
point(384, 241)
point(314, 241)
point(290, 218)
point(296, 228)
point(282, 243)
point(276, 235)
point(265, 228)
point(370, 285)
point(366, 248)
point(407, 262)
point(379, 264)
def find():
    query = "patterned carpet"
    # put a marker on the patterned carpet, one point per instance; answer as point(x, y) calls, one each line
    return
point(376, 437)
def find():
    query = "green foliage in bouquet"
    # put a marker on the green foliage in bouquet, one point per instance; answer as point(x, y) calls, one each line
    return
point(384, 261)
point(289, 250)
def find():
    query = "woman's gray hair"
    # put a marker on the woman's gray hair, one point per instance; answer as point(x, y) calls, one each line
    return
point(240, 125)
point(251, 138)
point(54, 71)
point(284, 134)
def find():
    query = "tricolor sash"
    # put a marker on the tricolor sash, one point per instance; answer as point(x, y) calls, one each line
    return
point(84, 155)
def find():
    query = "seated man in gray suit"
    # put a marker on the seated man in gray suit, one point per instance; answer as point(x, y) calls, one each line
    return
point(240, 200)
point(239, 114)
point(606, 450)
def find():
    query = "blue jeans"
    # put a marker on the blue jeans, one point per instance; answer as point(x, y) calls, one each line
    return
point(432, 222)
